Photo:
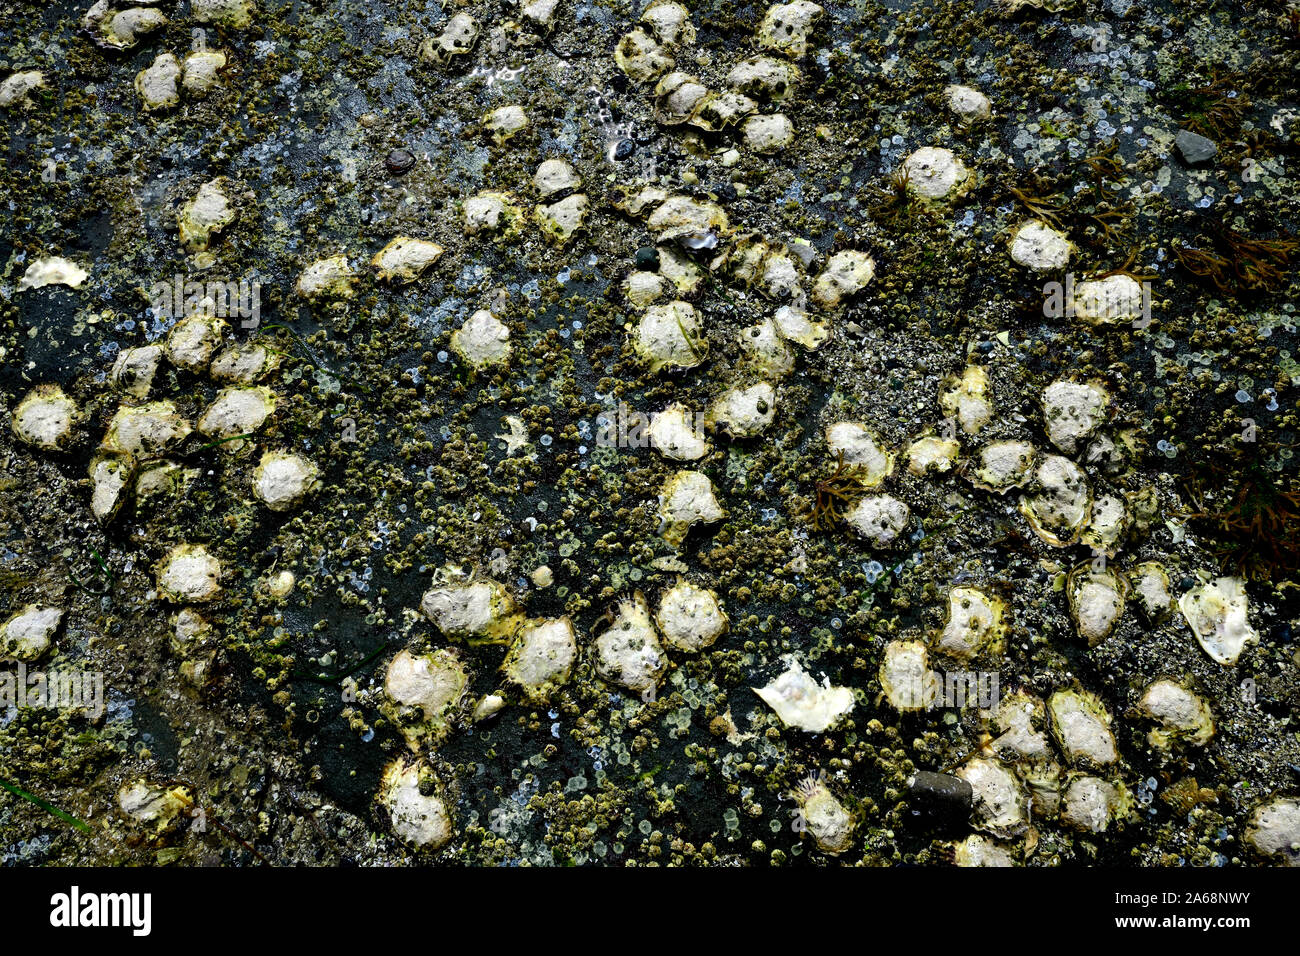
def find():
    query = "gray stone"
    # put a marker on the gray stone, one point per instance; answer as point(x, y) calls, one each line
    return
point(1196, 149)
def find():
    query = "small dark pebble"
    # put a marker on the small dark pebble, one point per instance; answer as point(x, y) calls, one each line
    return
point(647, 259)
point(624, 149)
point(399, 161)
point(940, 797)
point(726, 192)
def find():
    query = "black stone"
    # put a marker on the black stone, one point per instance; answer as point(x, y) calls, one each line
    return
point(647, 259)
point(940, 797)
point(624, 149)
point(399, 161)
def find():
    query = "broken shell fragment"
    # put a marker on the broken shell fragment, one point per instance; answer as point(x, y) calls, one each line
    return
point(628, 652)
point(482, 341)
point(878, 518)
point(189, 575)
point(1081, 726)
point(28, 633)
point(1184, 717)
point(44, 418)
point(282, 480)
point(111, 476)
point(802, 703)
point(425, 693)
point(541, 657)
point(686, 499)
point(417, 816)
point(1217, 613)
point(690, 617)
point(405, 259)
point(52, 271)
point(147, 804)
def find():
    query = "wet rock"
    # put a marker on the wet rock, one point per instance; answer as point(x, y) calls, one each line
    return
point(1195, 149)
